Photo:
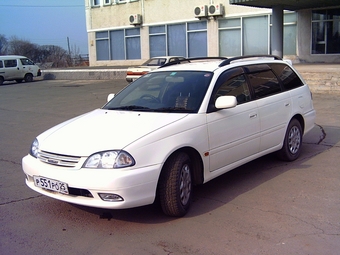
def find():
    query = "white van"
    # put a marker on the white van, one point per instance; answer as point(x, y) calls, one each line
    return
point(17, 68)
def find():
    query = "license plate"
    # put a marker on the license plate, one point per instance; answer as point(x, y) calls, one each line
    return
point(50, 184)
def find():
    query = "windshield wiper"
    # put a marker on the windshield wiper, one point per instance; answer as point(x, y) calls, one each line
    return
point(129, 108)
point(172, 109)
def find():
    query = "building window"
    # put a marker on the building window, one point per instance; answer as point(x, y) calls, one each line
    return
point(185, 39)
point(102, 45)
point(325, 31)
point(289, 33)
point(230, 37)
point(197, 39)
point(176, 39)
point(132, 40)
point(255, 35)
point(251, 35)
point(107, 2)
point(95, 2)
point(157, 38)
point(118, 44)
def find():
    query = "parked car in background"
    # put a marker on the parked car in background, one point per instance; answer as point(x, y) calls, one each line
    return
point(17, 68)
point(134, 73)
point(175, 127)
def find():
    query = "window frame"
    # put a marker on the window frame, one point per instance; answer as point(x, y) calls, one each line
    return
point(126, 39)
point(95, 3)
point(170, 47)
point(325, 22)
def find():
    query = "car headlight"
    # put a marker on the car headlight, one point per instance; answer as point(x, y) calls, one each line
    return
point(109, 159)
point(34, 148)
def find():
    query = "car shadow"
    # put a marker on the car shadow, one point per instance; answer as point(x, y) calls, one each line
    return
point(225, 188)
point(11, 83)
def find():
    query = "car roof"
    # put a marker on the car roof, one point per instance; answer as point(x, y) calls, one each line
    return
point(11, 56)
point(167, 57)
point(210, 64)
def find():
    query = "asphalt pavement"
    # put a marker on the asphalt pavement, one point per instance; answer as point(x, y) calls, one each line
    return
point(264, 207)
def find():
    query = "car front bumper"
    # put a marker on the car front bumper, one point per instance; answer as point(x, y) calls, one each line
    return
point(136, 187)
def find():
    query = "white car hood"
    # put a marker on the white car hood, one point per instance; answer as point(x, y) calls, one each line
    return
point(102, 130)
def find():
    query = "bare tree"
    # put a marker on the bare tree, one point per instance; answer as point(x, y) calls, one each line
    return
point(22, 47)
point(56, 55)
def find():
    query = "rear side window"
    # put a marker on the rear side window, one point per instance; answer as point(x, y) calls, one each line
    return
point(264, 83)
point(288, 77)
point(10, 63)
point(1, 64)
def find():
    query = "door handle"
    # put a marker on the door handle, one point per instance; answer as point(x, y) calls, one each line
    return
point(253, 115)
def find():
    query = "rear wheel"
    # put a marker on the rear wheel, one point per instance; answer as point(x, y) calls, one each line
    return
point(292, 143)
point(175, 187)
point(28, 77)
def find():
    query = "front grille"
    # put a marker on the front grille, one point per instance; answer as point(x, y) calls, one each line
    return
point(58, 159)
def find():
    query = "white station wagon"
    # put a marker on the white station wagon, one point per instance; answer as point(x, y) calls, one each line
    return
point(175, 127)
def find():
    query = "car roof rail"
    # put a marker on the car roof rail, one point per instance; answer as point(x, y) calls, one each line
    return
point(189, 60)
point(229, 60)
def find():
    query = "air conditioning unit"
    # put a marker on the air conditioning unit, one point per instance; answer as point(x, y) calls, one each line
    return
point(201, 11)
point(216, 10)
point(135, 19)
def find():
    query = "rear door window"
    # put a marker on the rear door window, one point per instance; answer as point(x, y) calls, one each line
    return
point(264, 83)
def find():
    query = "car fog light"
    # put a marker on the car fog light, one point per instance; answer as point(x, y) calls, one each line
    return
point(110, 197)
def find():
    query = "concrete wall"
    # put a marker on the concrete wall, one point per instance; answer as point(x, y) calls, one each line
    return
point(323, 78)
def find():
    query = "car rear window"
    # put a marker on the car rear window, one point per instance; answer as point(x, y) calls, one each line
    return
point(288, 77)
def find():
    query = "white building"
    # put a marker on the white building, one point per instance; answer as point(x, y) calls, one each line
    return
point(127, 32)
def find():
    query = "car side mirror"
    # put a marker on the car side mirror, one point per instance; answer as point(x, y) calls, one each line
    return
point(225, 102)
point(110, 96)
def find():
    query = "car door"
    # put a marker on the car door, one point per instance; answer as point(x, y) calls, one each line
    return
point(11, 69)
point(234, 134)
point(274, 105)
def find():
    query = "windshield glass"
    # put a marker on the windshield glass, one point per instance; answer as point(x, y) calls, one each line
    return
point(155, 62)
point(179, 91)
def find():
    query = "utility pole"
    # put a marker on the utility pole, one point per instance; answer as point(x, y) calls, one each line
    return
point(68, 45)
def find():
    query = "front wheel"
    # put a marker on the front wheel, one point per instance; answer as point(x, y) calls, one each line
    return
point(292, 143)
point(28, 77)
point(175, 187)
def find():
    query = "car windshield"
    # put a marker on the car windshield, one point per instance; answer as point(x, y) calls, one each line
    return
point(168, 91)
point(155, 62)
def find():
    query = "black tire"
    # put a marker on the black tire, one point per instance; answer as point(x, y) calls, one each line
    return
point(175, 187)
point(292, 143)
point(28, 77)
point(1, 80)
point(19, 81)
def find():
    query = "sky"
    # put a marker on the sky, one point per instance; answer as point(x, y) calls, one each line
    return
point(45, 22)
